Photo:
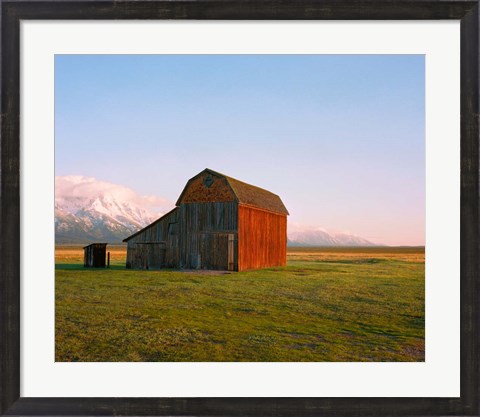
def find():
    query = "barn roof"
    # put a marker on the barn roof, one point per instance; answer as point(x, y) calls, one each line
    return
point(248, 194)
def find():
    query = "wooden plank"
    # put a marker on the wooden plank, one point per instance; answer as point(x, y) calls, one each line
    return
point(231, 252)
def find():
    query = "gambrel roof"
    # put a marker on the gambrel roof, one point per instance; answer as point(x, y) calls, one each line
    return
point(244, 193)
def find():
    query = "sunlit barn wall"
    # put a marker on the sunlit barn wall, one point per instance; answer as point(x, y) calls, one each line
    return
point(262, 238)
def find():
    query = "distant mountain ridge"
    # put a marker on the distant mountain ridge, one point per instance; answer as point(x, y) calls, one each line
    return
point(321, 237)
point(88, 210)
point(92, 220)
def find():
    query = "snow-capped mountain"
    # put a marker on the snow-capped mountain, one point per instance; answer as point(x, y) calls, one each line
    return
point(89, 210)
point(317, 236)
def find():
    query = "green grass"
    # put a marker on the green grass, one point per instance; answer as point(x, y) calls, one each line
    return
point(358, 309)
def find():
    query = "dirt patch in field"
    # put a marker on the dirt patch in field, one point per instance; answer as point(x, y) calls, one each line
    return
point(204, 272)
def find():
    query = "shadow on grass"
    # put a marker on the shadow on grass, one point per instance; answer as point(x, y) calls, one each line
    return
point(352, 261)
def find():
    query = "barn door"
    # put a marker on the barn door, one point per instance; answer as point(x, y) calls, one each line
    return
point(213, 251)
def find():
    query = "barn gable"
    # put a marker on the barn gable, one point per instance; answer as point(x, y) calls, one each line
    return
point(211, 186)
point(207, 187)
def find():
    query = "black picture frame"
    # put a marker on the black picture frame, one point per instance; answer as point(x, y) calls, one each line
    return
point(12, 12)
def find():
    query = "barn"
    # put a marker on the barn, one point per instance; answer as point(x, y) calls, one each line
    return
point(218, 223)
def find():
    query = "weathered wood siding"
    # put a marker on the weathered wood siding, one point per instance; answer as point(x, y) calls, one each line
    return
point(157, 246)
point(262, 238)
point(204, 230)
point(94, 255)
point(193, 236)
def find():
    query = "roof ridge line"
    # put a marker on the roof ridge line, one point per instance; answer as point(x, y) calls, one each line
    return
point(228, 177)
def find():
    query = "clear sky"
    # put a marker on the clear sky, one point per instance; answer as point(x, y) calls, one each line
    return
point(341, 138)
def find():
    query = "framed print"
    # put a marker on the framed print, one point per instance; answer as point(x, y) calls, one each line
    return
point(239, 208)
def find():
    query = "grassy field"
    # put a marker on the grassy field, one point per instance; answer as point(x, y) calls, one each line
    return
point(328, 304)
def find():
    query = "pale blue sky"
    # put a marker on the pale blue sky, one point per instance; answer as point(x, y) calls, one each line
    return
point(339, 137)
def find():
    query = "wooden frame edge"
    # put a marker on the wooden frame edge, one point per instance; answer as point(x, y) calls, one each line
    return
point(14, 11)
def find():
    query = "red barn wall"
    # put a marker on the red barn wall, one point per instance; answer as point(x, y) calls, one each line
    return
point(262, 238)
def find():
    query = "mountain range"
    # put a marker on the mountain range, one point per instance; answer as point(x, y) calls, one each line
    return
point(88, 210)
point(317, 236)
point(97, 219)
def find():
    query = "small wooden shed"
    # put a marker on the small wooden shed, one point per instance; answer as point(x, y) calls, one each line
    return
point(94, 255)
